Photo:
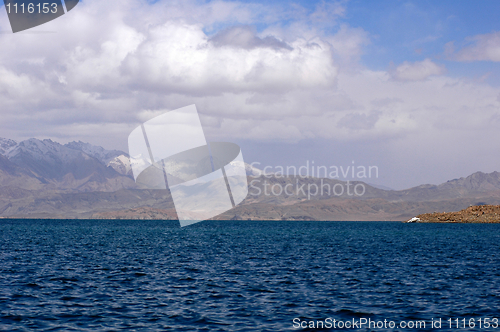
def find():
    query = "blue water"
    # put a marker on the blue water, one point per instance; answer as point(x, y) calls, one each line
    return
point(241, 275)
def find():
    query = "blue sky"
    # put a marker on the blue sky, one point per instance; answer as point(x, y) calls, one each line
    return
point(415, 30)
point(408, 86)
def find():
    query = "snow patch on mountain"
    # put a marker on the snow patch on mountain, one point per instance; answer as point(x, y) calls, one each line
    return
point(43, 150)
point(121, 164)
point(6, 145)
point(99, 153)
point(60, 167)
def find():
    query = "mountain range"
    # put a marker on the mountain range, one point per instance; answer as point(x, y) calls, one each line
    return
point(74, 167)
point(45, 179)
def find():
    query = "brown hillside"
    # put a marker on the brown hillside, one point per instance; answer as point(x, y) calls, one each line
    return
point(138, 213)
point(472, 214)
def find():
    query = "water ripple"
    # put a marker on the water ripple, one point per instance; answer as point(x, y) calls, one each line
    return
point(241, 276)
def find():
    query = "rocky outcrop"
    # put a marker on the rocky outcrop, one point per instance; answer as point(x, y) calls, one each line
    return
point(472, 214)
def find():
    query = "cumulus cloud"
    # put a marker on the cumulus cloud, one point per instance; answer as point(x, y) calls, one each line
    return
point(111, 65)
point(107, 62)
point(484, 48)
point(245, 37)
point(180, 58)
point(416, 71)
point(357, 121)
point(348, 44)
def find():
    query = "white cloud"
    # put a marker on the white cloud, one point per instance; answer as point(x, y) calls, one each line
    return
point(179, 58)
point(357, 121)
point(104, 71)
point(245, 37)
point(348, 44)
point(416, 71)
point(484, 48)
point(108, 61)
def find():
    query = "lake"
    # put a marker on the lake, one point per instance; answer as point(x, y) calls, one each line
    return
point(104, 275)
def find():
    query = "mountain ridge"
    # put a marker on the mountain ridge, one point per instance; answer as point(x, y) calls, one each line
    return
point(43, 178)
point(59, 167)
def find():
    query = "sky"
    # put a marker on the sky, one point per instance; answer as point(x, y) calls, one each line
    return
point(411, 87)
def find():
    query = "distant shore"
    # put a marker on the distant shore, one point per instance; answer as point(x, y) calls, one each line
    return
point(480, 214)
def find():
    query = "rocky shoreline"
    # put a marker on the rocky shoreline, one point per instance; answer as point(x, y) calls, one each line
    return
point(472, 214)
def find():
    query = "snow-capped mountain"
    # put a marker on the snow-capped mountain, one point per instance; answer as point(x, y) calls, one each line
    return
point(51, 160)
point(62, 167)
point(42, 150)
point(6, 145)
point(99, 153)
point(45, 178)
point(121, 164)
